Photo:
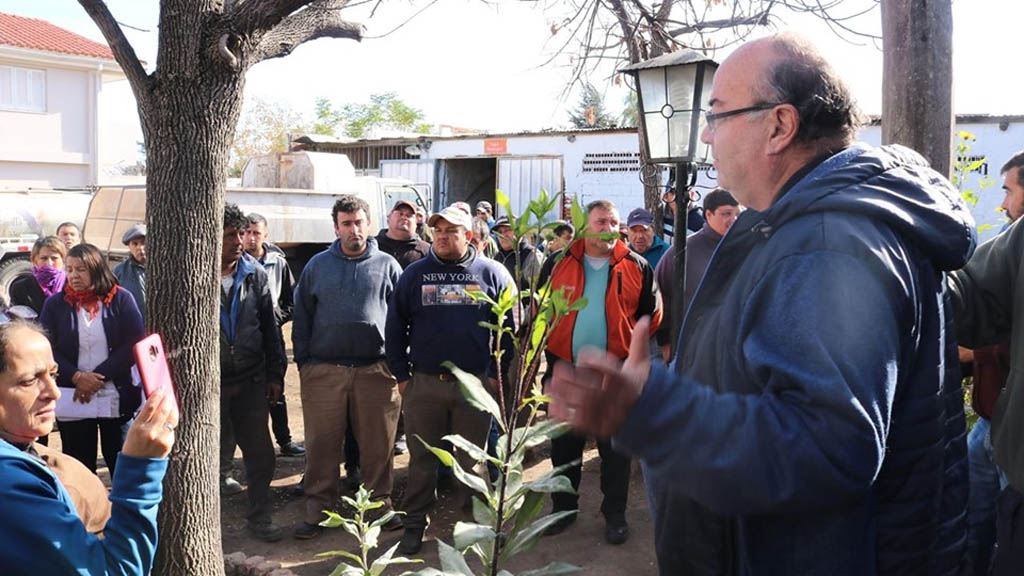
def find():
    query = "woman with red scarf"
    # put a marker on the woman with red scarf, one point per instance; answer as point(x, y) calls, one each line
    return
point(47, 275)
point(93, 325)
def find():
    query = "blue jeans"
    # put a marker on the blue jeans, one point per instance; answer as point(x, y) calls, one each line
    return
point(986, 481)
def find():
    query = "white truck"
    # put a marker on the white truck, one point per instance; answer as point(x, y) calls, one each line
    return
point(29, 214)
point(298, 219)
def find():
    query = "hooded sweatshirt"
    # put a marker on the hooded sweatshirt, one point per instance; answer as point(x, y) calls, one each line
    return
point(405, 251)
point(341, 306)
point(814, 407)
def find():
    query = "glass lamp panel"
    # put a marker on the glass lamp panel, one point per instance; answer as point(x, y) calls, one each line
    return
point(652, 89)
point(679, 135)
point(657, 134)
point(681, 80)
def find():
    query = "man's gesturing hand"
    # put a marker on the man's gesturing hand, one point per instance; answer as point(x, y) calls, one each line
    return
point(596, 394)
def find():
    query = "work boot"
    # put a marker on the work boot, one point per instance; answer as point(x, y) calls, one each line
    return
point(616, 531)
point(411, 541)
point(268, 532)
point(307, 531)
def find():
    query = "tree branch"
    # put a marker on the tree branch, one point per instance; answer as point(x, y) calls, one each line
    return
point(321, 19)
point(123, 51)
point(256, 16)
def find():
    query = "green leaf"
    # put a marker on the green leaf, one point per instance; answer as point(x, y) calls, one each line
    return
point(333, 520)
point(385, 518)
point(451, 560)
point(466, 534)
point(533, 505)
point(579, 216)
point(470, 480)
point(370, 539)
point(483, 513)
point(475, 393)
point(384, 560)
point(551, 485)
point(342, 554)
point(346, 570)
point(554, 569)
point(527, 538)
point(472, 450)
point(502, 200)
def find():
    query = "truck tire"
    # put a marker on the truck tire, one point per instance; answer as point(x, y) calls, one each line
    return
point(10, 270)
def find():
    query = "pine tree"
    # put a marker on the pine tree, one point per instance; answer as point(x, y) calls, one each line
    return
point(590, 112)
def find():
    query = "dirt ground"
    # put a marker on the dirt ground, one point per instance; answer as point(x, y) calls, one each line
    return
point(582, 544)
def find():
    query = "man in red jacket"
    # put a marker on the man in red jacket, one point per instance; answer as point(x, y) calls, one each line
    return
point(620, 289)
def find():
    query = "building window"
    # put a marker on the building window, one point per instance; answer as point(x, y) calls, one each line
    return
point(22, 89)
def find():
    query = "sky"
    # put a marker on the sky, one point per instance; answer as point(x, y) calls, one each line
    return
point(481, 65)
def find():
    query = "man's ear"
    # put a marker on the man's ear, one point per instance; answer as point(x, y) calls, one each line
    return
point(785, 125)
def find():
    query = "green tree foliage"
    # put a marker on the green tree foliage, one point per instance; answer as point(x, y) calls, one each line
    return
point(263, 128)
point(965, 164)
point(630, 110)
point(384, 111)
point(590, 112)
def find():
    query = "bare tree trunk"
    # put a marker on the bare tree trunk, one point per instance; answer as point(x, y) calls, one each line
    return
point(917, 78)
point(194, 120)
point(189, 108)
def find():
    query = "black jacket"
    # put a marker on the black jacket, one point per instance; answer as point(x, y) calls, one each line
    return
point(25, 291)
point(405, 251)
point(251, 349)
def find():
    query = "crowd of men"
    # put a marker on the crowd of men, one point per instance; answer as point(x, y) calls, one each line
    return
point(807, 419)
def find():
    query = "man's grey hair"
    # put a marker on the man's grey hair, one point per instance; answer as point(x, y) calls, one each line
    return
point(606, 205)
point(1015, 161)
point(829, 116)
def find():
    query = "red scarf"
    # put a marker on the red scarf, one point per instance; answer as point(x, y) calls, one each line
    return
point(87, 300)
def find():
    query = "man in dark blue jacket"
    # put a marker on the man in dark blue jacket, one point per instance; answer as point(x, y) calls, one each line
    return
point(812, 419)
point(432, 319)
point(252, 366)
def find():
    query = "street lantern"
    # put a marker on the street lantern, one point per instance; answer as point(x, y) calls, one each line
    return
point(672, 93)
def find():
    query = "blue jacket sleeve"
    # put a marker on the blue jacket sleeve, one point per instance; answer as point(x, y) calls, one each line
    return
point(56, 542)
point(302, 319)
point(396, 330)
point(126, 313)
point(820, 336)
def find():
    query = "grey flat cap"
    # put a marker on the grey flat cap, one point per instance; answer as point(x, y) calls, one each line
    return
point(136, 231)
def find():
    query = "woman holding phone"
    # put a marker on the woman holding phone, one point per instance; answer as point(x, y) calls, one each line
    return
point(93, 325)
point(40, 532)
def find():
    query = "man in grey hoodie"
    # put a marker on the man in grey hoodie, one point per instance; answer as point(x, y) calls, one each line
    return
point(338, 339)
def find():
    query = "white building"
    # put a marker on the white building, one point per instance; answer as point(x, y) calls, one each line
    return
point(56, 128)
point(604, 164)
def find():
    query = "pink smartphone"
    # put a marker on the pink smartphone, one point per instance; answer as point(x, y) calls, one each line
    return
point(152, 363)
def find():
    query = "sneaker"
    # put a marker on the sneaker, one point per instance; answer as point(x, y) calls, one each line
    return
point(291, 449)
point(401, 447)
point(561, 525)
point(411, 541)
point(269, 532)
point(307, 531)
point(616, 532)
point(229, 487)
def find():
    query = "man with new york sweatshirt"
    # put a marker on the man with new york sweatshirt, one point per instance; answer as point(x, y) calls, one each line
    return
point(812, 420)
point(432, 319)
point(338, 337)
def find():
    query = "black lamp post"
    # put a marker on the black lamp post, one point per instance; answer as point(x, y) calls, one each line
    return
point(672, 93)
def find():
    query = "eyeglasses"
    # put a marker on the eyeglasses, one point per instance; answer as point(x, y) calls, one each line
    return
point(711, 119)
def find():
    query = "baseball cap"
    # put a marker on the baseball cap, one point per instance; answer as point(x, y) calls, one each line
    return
point(136, 231)
point(406, 203)
point(454, 215)
point(503, 221)
point(640, 217)
point(483, 205)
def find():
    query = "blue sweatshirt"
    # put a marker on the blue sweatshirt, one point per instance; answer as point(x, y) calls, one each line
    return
point(341, 306)
point(40, 532)
point(431, 319)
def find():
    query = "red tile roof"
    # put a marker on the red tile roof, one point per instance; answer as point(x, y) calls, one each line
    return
point(41, 35)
